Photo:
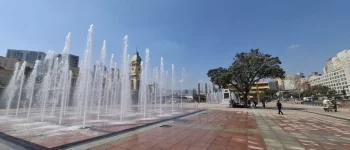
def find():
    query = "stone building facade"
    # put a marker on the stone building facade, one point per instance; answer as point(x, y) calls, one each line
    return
point(135, 71)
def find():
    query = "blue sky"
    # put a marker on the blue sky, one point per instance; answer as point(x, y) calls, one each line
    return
point(198, 35)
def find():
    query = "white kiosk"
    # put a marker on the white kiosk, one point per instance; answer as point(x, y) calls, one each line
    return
point(226, 97)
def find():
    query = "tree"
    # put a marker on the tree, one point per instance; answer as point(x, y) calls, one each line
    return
point(220, 77)
point(249, 68)
point(286, 94)
point(307, 93)
point(319, 91)
point(268, 94)
point(331, 93)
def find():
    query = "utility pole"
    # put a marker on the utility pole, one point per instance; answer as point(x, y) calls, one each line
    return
point(206, 88)
point(199, 92)
point(257, 91)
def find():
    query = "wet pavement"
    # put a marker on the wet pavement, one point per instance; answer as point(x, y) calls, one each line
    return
point(49, 134)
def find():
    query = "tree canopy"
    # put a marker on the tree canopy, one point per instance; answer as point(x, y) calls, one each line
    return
point(319, 91)
point(268, 94)
point(247, 69)
point(220, 77)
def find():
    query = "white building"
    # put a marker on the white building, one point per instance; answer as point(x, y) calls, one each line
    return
point(289, 85)
point(337, 62)
point(293, 82)
point(336, 80)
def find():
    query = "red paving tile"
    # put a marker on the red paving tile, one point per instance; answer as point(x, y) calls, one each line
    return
point(116, 148)
point(101, 147)
point(182, 138)
point(217, 147)
point(179, 147)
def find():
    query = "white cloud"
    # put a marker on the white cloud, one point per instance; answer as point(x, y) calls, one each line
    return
point(293, 46)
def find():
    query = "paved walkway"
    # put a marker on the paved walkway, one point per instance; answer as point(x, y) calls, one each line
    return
point(241, 129)
point(237, 129)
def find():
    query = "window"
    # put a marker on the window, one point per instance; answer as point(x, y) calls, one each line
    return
point(132, 84)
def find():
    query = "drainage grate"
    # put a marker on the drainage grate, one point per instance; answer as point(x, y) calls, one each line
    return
point(165, 126)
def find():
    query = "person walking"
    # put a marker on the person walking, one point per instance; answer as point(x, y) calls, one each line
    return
point(279, 106)
point(263, 103)
point(255, 103)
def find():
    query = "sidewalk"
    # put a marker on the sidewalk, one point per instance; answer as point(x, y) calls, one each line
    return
point(241, 129)
point(341, 113)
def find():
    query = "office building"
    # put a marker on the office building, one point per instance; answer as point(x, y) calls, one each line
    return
point(25, 55)
point(336, 80)
point(73, 60)
point(259, 87)
point(336, 73)
point(337, 62)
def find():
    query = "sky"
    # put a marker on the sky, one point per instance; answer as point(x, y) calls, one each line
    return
point(197, 35)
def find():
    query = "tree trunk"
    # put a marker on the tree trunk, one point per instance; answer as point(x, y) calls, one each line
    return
point(245, 98)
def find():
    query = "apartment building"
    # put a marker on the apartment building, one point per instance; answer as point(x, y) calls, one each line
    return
point(336, 80)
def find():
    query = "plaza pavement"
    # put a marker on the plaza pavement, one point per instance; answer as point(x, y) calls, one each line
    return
point(301, 127)
point(240, 129)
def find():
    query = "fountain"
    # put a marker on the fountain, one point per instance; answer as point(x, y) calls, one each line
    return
point(144, 90)
point(31, 85)
point(125, 81)
point(52, 93)
point(20, 78)
point(161, 74)
point(12, 88)
point(172, 87)
point(57, 98)
point(182, 81)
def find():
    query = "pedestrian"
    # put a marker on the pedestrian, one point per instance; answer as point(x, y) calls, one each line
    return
point(279, 106)
point(263, 103)
point(255, 103)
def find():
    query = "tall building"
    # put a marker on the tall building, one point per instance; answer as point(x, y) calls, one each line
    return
point(135, 71)
point(292, 82)
point(73, 60)
point(336, 73)
point(336, 80)
point(25, 55)
point(259, 87)
point(337, 62)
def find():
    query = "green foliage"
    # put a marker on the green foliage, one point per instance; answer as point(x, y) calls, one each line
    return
point(319, 91)
point(268, 94)
point(246, 69)
point(331, 93)
point(220, 77)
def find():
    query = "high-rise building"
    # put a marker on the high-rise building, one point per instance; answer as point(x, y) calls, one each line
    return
point(73, 60)
point(337, 62)
point(25, 55)
point(336, 73)
point(337, 80)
